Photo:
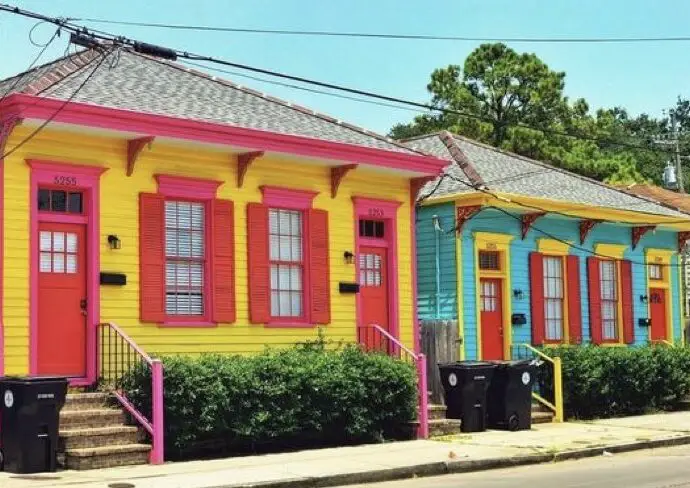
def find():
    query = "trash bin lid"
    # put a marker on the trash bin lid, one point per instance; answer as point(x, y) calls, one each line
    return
point(32, 379)
point(470, 364)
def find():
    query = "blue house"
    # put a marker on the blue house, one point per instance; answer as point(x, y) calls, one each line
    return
point(521, 252)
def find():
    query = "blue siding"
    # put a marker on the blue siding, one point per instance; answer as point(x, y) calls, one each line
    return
point(426, 263)
point(491, 220)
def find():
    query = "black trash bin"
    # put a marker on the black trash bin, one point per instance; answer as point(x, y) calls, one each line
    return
point(510, 395)
point(465, 384)
point(30, 421)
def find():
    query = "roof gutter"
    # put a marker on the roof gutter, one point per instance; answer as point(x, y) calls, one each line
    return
point(24, 106)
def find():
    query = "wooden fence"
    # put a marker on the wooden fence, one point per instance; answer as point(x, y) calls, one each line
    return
point(439, 342)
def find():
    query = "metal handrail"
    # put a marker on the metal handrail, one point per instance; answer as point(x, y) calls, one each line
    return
point(557, 406)
point(125, 346)
point(419, 361)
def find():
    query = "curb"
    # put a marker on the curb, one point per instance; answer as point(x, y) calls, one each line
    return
point(456, 467)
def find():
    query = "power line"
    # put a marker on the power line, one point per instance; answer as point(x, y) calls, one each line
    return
point(373, 35)
point(138, 46)
point(104, 56)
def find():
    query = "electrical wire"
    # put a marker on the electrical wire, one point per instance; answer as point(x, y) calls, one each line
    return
point(371, 35)
point(103, 57)
point(124, 41)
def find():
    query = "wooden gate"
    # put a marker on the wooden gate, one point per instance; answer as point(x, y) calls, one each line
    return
point(440, 344)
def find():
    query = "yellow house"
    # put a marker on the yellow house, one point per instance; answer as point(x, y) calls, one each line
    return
point(194, 215)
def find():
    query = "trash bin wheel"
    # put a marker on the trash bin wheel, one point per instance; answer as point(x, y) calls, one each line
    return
point(513, 423)
point(2, 461)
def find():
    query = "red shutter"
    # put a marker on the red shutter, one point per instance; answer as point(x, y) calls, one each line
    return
point(627, 305)
point(319, 271)
point(536, 278)
point(594, 299)
point(257, 264)
point(574, 303)
point(223, 272)
point(151, 257)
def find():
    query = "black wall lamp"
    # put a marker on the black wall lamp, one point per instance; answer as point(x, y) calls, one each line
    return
point(114, 242)
point(644, 298)
point(518, 294)
point(349, 257)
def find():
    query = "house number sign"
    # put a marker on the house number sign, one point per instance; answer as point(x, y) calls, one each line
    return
point(377, 213)
point(65, 180)
point(491, 246)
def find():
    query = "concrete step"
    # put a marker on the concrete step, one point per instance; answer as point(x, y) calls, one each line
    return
point(684, 405)
point(90, 418)
point(85, 401)
point(442, 427)
point(97, 437)
point(437, 412)
point(542, 417)
point(106, 456)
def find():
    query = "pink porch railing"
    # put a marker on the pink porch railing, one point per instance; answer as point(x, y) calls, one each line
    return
point(118, 354)
point(376, 339)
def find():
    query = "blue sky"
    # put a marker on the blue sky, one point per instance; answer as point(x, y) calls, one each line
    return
point(640, 77)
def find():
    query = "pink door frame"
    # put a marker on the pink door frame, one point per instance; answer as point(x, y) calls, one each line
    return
point(86, 179)
point(387, 211)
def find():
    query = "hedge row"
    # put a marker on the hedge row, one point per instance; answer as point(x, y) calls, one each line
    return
point(610, 381)
point(306, 396)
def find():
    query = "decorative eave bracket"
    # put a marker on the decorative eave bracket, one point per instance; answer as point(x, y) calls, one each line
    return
point(528, 220)
point(638, 231)
point(682, 238)
point(337, 175)
point(463, 214)
point(6, 128)
point(244, 161)
point(586, 227)
point(134, 148)
point(416, 185)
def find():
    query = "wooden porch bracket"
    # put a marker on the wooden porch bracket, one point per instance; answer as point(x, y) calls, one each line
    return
point(682, 238)
point(244, 161)
point(638, 231)
point(337, 175)
point(134, 148)
point(416, 184)
point(585, 227)
point(6, 128)
point(463, 214)
point(528, 220)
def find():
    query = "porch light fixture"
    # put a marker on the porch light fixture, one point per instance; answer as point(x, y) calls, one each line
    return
point(349, 257)
point(114, 242)
point(644, 298)
point(518, 294)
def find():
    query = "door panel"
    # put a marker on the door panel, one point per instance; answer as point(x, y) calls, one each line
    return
point(657, 312)
point(373, 292)
point(61, 300)
point(491, 318)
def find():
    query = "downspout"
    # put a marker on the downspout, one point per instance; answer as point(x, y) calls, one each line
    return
point(437, 242)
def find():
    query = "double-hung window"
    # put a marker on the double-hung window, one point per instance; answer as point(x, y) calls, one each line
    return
point(185, 258)
point(554, 298)
point(609, 299)
point(286, 256)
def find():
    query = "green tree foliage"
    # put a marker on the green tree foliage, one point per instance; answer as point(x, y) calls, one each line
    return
point(514, 101)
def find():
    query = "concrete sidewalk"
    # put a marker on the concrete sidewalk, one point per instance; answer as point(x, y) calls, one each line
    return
point(330, 467)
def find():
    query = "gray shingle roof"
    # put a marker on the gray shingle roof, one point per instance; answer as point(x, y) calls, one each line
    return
point(506, 172)
point(145, 84)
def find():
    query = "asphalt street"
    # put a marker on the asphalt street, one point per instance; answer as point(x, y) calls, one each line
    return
point(657, 468)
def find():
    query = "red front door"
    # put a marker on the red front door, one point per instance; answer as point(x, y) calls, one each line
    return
point(61, 300)
point(657, 312)
point(491, 318)
point(373, 292)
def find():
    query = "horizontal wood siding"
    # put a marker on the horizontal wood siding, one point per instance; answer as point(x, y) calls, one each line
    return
point(119, 215)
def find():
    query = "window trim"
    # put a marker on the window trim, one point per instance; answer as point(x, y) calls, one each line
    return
point(565, 302)
point(557, 248)
point(619, 303)
point(280, 198)
point(612, 252)
point(193, 190)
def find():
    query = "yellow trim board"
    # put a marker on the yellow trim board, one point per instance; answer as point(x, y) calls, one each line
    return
point(489, 241)
point(577, 210)
point(460, 299)
point(610, 251)
point(553, 247)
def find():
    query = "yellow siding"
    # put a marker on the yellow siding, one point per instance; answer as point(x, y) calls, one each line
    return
point(119, 215)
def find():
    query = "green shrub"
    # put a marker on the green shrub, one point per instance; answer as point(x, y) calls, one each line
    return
point(305, 396)
point(613, 381)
